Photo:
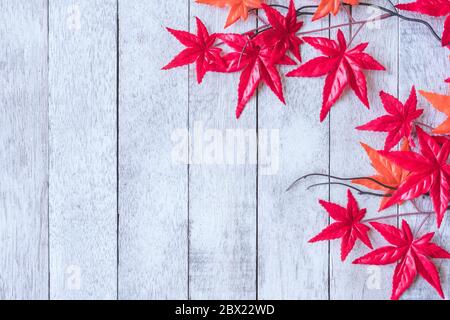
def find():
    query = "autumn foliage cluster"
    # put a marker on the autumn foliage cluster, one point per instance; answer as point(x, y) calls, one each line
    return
point(419, 168)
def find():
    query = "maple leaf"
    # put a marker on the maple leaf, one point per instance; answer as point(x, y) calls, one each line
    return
point(446, 33)
point(412, 257)
point(435, 8)
point(348, 225)
point(256, 64)
point(238, 8)
point(331, 6)
point(282, 36)
point(389, 173)
point(430, 173)
point(343, 66)
point(399, 120)
point(441, 103)
point(200, 49)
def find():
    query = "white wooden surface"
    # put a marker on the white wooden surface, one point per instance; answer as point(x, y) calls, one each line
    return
point(95, 203)
point(24, 155)
point(286, 261)
point(82, 115)
point(153, 196)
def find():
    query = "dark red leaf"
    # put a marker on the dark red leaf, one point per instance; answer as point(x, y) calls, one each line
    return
point(282, 37)
point(255, 61)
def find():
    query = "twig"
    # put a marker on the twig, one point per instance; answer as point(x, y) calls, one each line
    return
point(398, 215)
point(338, 178)
point(361, 192)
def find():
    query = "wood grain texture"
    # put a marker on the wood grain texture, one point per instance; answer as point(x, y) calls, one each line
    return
point(82, 113)
point(348, 158)
point(24, 158)
point(222, 197)
point(153, 185)
point(424, 63)
point(290, 267)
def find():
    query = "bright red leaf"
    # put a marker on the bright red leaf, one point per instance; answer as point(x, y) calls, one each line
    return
point(282, 36)
point(446, 33)
point(435, 8)
point(343, 66)
point(200, 49)
point(398, 122)
point(255, 61)
point(348, 225)
point(429, 170)
point(412, 257)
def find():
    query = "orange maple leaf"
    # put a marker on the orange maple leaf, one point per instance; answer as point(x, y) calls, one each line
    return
point(389, 173)
point(331, 6)
point(238, 8)
point(442, 103)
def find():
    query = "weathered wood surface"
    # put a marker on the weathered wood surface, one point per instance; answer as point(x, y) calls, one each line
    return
point(222, 192)
point(292, 143)
point(82, 133)
point(153, 196)
point(24, 145)
point(103, 195)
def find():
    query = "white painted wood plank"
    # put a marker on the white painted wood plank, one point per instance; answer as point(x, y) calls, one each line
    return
point(424, 63)
point(290, 267)
point(82, 112)
point(153, 187)
point(348, 158)
point(24, 157)
point(222, 197)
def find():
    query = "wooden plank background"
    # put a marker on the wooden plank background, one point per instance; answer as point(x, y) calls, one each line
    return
point(112, 189)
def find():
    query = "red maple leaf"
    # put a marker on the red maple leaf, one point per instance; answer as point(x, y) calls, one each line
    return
point(435, 8)
point(399, 120)
point(348, 225)
point(255, 61)
point(411, 255)
point(200, 49)
point(446, 33)
point(282, 36)
point(429, 173)
point(343, 66)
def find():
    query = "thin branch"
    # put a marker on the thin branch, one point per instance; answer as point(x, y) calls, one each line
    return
point(391, 14)
point(361, 192)
point(408, 214)
point(395, 13)
point(338, 178)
